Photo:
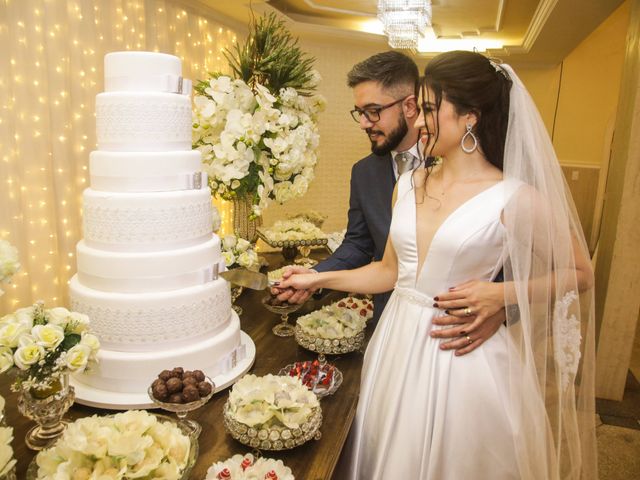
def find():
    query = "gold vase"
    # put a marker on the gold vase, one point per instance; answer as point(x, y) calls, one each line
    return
point(46, 407)
point(244, 226)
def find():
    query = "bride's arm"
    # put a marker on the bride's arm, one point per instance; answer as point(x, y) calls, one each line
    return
point(377, 277)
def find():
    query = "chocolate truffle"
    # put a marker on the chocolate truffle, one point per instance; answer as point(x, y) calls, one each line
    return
point(174, 385)
point(175, 398)
point(190, 394)
point(204, 389)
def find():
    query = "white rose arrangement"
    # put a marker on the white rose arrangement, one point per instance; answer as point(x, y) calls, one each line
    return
point(42, 344)
point(342, 319)
point(247, 467)
point(258, 132)
point(9, 263)
point(271, 400)
point(133, 444)
point(238, 252)
point(293, 229)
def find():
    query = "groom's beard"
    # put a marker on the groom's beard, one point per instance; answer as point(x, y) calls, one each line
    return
point(393, 139)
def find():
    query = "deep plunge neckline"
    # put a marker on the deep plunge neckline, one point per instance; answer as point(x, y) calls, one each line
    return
point(420, 264)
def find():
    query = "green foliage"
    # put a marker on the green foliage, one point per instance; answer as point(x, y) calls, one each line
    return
point(271, 57)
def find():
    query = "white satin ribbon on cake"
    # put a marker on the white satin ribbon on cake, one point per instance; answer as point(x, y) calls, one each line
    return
point(149, 83)
point(183, 181)
point(229, 361)
point(152, 284)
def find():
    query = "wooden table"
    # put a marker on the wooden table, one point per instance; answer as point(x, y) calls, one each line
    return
point(315, 460)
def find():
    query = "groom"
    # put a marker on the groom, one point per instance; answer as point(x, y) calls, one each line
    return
point(385, 90)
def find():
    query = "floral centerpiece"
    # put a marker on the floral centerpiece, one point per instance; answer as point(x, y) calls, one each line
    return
point(9, 263)
point(257, 129)
point(247, 467)
point(271, 400)
point(43, 344)
point(293, 229)
point(341, 319)
point(133, 444)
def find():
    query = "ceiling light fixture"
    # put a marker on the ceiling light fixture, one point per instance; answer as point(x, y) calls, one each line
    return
point(405, 21)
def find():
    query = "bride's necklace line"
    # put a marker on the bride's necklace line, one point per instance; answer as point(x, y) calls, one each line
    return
point(442, 187)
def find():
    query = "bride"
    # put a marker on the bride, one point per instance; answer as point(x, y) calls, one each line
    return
point(521, 405)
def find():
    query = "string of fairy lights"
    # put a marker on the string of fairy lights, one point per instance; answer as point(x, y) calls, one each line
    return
point(50, 72)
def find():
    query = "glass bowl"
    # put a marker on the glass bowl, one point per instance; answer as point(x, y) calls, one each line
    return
point(318, 387)
point(329, 346)
point(181, 409)
point(32, 470)
point(275, 437)
point(283, 329)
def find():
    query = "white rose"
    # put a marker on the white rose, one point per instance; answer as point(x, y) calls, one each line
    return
point(229, 258)
point(28, 355)
point(10, 334)
point(78, 357)
point(242, 245)
point(245, 260)
point(58, 316)
point(49, 336)
point(229, 241)
point(25, 316)
point(6, 359)
point(91, 341)
point(79, 322)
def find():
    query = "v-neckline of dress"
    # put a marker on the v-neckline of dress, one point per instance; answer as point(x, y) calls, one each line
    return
point(420, 266)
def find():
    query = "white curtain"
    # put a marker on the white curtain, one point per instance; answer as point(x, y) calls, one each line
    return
point(50, 72)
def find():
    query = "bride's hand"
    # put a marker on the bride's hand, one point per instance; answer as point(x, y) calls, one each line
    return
point(477, 298)
point(297, 281)
point(466, 337)
point(293, 295)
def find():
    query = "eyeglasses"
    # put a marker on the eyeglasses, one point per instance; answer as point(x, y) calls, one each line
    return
point(372, 113)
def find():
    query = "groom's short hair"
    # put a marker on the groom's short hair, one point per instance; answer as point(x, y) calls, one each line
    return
point(393, 70)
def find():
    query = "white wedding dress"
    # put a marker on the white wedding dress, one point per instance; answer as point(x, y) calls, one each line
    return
point(424, 413)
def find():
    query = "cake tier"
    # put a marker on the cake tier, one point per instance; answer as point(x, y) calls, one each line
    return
point(151, 221)
point(138, 70)
point(143, 121)
point(146, 322)
point(141, 272)
point(132, 372)
point(145, 171)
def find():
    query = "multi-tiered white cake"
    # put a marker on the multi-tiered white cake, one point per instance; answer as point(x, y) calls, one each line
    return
point(148, 264)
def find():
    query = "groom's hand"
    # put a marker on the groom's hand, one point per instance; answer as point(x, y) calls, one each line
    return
point(467, 332)
point(292, 295)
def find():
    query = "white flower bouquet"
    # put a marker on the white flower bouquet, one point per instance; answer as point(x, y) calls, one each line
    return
point(258, 131)
point(42, 344)
point(9, 263)
point(271, 400)
point(293, 229)
point(247, 467)
point(238, 252)
point(342, 319)
point(133, 444)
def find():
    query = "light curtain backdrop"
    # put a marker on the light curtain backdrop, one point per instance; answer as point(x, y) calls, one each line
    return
point(51, 68)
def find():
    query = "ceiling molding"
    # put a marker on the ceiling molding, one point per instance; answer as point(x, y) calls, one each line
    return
point(540, 17)
point(315, 6)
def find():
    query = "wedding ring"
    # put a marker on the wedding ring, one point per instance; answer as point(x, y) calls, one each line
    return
point(469, 339)
point(467, 312)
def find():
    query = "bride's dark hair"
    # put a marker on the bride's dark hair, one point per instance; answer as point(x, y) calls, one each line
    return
point(472, 84)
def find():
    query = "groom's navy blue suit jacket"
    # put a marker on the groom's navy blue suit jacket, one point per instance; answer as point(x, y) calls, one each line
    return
point(372, 182)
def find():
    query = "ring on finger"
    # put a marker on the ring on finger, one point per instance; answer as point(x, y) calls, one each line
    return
point(467, 312)
point(469, 339)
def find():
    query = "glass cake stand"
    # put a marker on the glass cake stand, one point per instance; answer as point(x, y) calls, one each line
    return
point(329, 346)
point(181, 409)
point(283, 329)
point(290, 248)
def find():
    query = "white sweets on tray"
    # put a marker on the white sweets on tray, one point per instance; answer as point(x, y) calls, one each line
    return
point(148, 264)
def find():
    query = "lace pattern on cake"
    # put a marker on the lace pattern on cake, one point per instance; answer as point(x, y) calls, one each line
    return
point(133, 326)
point(566, 339)
point(133, 121)
point(146, 226)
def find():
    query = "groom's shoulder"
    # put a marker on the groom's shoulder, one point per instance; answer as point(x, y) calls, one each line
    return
point(372, 164)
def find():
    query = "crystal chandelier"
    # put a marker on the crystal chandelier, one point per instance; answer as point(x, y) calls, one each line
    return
point(404, 21)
